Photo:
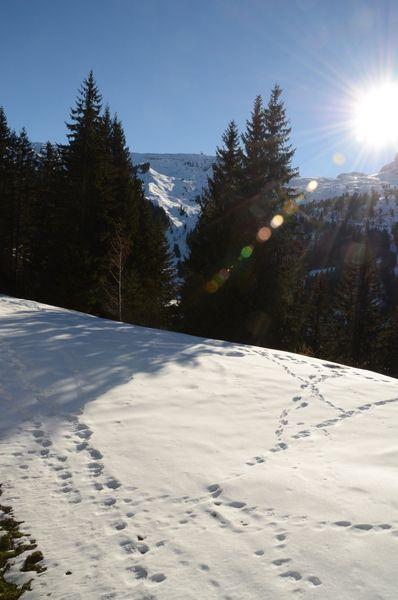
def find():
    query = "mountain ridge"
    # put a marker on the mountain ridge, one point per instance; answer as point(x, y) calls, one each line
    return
point(174, 181)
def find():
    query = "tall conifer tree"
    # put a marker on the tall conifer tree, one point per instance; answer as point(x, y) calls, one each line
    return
point(87, 168)
point(7, 147)
point(214, 244)
point(357, 314)
point(47, 225)
point(24, 193)
point(279, 152)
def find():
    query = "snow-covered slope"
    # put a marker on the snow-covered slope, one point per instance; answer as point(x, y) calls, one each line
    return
point(152, 465)
point(174, 181)
point(330, 187)
point(349, 183)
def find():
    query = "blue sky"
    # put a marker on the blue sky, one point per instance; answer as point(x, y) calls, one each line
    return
point(176, 71)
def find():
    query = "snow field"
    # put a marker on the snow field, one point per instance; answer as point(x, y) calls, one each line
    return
point(153, 465)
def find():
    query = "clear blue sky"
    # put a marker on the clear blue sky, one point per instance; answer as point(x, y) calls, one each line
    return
point(176, 71)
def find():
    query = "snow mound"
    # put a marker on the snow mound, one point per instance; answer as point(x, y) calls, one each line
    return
point(154, 465)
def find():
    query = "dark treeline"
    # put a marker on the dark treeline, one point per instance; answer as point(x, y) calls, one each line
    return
point(75, 227)
point(76, 231)
point(264, 269)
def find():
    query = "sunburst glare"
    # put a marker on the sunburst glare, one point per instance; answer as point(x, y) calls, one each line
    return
point(375, 119)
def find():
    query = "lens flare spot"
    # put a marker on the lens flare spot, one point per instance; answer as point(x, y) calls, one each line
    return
point(313, 184)
point(264, 234)
point(290, 207)
point(211, 287)
point(246, 252)
point(338, 159)
point(277, 221)
point(224, 274)
point(300, 198)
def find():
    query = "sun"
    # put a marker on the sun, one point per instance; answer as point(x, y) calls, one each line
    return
point(375, 120)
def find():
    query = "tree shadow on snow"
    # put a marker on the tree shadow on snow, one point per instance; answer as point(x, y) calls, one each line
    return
point(54, 362)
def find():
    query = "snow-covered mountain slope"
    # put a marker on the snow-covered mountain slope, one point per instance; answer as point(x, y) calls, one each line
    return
point(348, 183)
point(154, 465)
point(330, 187)
point(174, 181)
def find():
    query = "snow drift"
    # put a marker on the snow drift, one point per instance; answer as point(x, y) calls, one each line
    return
point(153, 465)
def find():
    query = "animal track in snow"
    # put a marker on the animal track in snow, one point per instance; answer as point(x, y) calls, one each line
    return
point(113, 484)
point(95, 468)
point(278, 562)
point(279, 447)
point(237, 504)
point(215, 490)
point(140, 572)
point(38, 433)
point(83, 431)
point(255, 461)
point(158, 577)
point(128, 546)
point(314, 580)
point(119, 525)
point(363, 526)
point(109, 501)
point(301, 434)
point(291, 575)
point(95, 454)
point(302, 405)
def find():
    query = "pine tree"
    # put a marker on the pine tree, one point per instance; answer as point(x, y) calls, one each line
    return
point(24, 193)
point(277, 265)
point(7, 144)
point(215, 245)
point(255, 166)
point(276, 297)
point(318, 302)
point(138, 277)
point(47, 227)
point(154, 268)
point(279, 152)
point(388, 344)
point(87, 170)
point(267, 158)
point(357, 314)
point(121, 217)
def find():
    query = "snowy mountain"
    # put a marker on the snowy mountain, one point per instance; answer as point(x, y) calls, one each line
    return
point(348, 183)
point(153, 465)
point(173, 181)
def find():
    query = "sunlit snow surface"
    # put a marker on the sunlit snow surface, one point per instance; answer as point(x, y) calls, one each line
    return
point(158, 466)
